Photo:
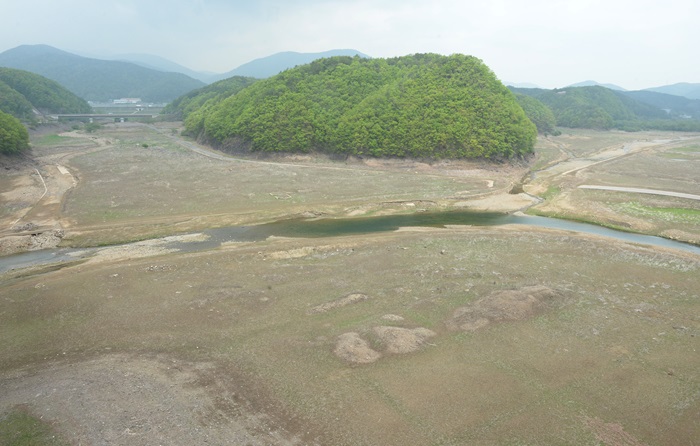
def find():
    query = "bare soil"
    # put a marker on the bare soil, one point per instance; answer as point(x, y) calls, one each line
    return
point(503, 305)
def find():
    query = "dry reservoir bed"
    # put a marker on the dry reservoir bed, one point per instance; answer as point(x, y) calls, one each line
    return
point(455, 336)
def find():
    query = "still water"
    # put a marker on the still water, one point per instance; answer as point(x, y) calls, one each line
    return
point(318, 228)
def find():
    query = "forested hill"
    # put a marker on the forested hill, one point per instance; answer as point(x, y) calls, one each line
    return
point(21, 92)
point(423, 106)
point(212, 94)
point(99, 80)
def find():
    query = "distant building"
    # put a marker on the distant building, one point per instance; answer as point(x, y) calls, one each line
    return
point(127, 101)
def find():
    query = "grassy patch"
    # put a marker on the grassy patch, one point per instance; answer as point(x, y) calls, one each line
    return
point(51, 140)
point(19, 428)
point(671, 215)
point(690, 149)
point(682, 153)
point(551, 192)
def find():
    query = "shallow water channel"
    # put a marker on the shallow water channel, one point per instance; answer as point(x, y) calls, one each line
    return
point(330, 227)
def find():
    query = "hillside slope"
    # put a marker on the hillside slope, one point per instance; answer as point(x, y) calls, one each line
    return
point(686, 89)
point(676, 106)
point(21, 92)
point(423, 105)
point(98, 80)
point(190, 102)
point(597, 107)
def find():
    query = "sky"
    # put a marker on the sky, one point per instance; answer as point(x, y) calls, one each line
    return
point(635, 44)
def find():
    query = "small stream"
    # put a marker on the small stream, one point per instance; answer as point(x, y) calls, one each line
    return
point(330, 227)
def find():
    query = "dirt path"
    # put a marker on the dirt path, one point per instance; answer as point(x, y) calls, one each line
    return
point(36, 196)
point(638, 190)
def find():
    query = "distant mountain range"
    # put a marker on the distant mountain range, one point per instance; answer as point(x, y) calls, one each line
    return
point(269, 66)
point(684, 89)
point(261, 68)
point(594, 83)
point(151, 78)
point(161, 64)
point(99, 80)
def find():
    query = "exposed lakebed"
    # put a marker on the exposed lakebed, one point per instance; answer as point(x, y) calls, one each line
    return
point(330, 227)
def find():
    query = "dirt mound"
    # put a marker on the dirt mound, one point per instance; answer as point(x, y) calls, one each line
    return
point(402, 340)
point(352, 348)
point(22, 243)
point(502, 305)
point(394, 340)
point(343, 301)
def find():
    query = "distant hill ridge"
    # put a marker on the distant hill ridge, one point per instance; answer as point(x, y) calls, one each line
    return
point(265, 67)
point(685, 89)
point(260, 68)
point(598, 107)
point(22, 92)
point(590, 83)
point(98, 80)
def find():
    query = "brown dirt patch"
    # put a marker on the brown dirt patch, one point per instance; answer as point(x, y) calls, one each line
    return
point(352, 348)
point(501, 306)
point(399, 340)
point(611, 434)
point(338, 303)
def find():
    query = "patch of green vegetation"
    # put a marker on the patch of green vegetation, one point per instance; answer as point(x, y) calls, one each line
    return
point(92, 127)
point(551, 192)
point(690, 149)
point(14, 137)
point(19, 428)
point(50, 140)
point(677, 156)
point(682, 153)
point(671, 215)
point(577, 219)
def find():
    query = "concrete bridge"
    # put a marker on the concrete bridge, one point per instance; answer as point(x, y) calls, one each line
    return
point(90, 117)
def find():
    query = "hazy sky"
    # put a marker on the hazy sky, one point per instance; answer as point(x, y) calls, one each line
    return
point(633, 43)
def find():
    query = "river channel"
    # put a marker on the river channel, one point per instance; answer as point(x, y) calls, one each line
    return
point(330, 227)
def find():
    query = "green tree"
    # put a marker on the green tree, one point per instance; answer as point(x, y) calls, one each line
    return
point(538, 113)
point(14, 137)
